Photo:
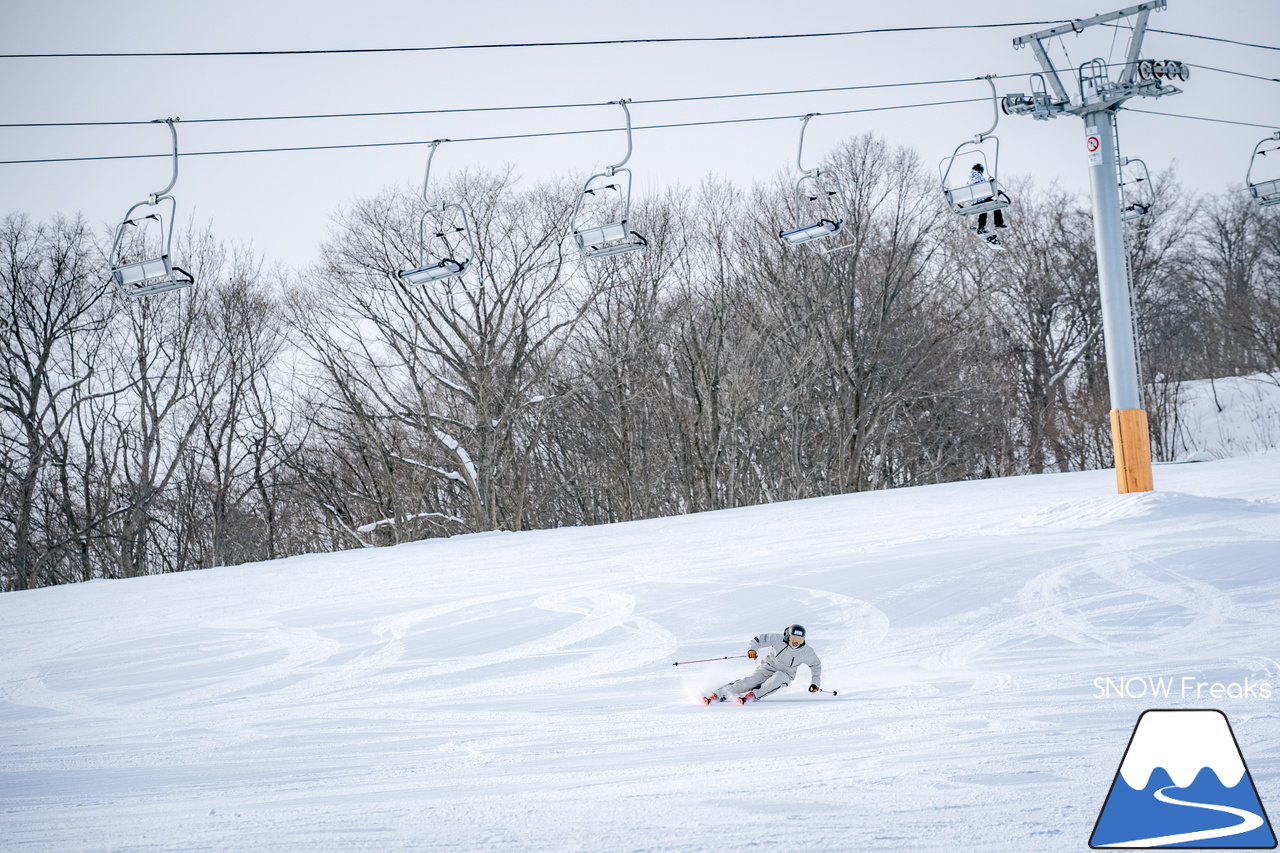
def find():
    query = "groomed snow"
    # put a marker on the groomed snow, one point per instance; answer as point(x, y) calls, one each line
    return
point(514, 692)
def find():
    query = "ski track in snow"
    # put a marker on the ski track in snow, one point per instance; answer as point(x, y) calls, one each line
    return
point(515, 692)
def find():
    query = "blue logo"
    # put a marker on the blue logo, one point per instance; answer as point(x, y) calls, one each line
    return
point(1183, 783)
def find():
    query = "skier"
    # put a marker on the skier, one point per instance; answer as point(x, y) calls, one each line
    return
point(976, 176)
point(786, 652)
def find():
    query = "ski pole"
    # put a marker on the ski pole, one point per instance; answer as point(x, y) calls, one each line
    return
point(820, 690)
point(708, 660)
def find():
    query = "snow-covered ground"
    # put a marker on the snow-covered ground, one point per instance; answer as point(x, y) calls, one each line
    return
point(514, 692)
point(1234, 416)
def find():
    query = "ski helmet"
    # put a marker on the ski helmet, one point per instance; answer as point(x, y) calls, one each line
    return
point(794, 631)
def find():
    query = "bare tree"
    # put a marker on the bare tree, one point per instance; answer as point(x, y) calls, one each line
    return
point(448, 385)
point(52, 289)
point(153, 421)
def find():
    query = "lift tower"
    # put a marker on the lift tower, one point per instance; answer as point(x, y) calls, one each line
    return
point(1099, 98)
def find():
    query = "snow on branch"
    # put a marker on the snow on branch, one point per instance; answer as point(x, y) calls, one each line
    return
point(450, 475)
point(463, 456)
point(391, 522)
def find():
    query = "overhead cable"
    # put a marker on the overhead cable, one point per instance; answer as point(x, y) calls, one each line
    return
point(489, 138)
point(1203, 118)
point(597, 42)
point(1214, 38)
point(454, 111)
point(1235, 73)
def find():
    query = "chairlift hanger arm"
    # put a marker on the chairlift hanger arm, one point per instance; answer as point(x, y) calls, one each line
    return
point(995, 109)
point(804, 125)
point(609, 171)
point(174, 180)
point(426, 178)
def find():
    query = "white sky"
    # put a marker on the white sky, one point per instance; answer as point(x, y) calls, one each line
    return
point(282, 202)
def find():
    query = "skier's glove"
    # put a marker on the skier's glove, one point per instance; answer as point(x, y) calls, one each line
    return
point(751, 653)
point(813, 688)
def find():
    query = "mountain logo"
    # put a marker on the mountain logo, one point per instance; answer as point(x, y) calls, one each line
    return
point(1183, 783)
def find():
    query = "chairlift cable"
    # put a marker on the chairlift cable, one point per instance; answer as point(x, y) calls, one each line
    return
point(488, 138)
point(584, 105)
point(1234, 73)
point(1207, 38)
point(575, 133)
point(593, 43)
point(463, 110)
point(1203, 118)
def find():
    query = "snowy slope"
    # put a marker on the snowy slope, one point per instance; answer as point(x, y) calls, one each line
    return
point(514, 692)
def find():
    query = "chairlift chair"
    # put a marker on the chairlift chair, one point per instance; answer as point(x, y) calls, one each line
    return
point(969, 199)
point(811, 187)
point(1137, 202)
point(605, 239)
point(158, 274)
point(1265, 192)
point(437, 266)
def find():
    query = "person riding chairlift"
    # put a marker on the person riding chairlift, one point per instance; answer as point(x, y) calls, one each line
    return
point(977, 176)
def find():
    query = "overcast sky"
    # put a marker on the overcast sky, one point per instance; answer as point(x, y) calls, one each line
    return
point(283, 202)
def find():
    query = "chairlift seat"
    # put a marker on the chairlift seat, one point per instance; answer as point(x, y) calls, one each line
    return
point(149, 277)
point(1266, 193)
point(446, 268)
point(978, 197)
point(603, 241)
point(817, 230)
point(1134, 211)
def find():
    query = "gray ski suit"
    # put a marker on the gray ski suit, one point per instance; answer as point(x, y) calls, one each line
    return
point(778, 668)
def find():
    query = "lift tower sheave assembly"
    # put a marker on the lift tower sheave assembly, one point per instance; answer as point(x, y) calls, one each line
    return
point(1098, 99)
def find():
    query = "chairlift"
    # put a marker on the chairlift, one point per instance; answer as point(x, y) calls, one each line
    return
point(1136, 200)
point(965, 195)
point(440, 265)
point(156, 274)
point(614, 236)
point(816, 189)
point(1267, 191)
